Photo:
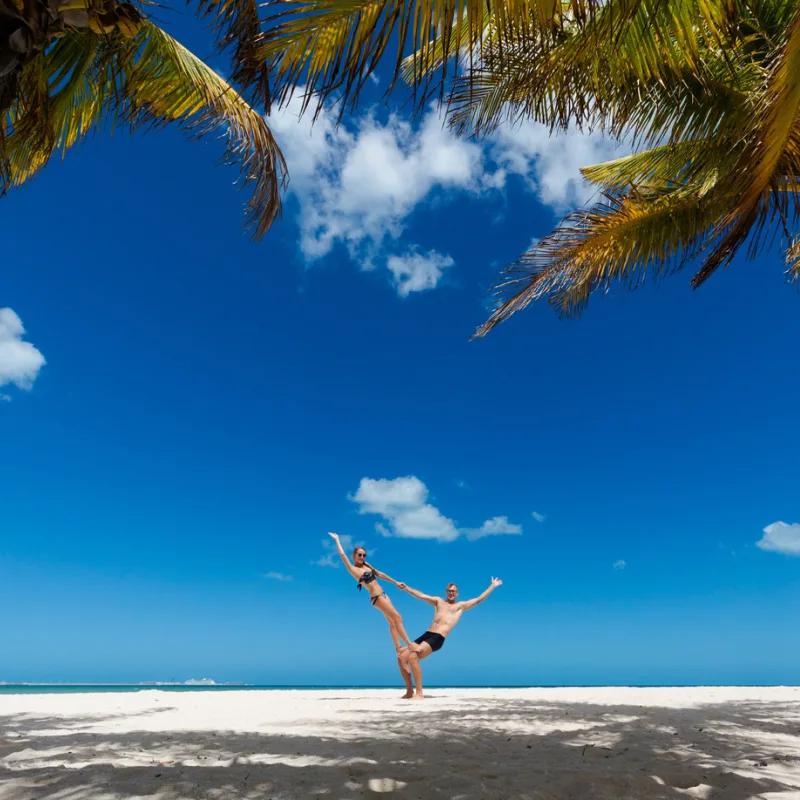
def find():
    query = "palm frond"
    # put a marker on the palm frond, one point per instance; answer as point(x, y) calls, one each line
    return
point(696, 163)
point(333, 46)
point(627, 80)
point(792, 258)
point(238, 27)
point(90, 80)
point(622, 239)
point(761, 198)
point(170, 84)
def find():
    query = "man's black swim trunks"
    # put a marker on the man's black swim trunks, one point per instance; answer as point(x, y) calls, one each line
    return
point(435, 640)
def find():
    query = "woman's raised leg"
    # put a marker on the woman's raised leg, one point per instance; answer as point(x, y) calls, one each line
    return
point(395, 622)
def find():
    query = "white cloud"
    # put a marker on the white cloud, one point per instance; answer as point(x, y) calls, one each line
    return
point(493, 527)
point(358, 183)
point(550, 165)
point(538, 517)
point(20, 361)
point(620, 564)
point(403, 505)
point(331, 557)
point(416, 272)
point(6, 398)
point(462, 484)
point(278, 576)
point(781, 537)
point(402, 502)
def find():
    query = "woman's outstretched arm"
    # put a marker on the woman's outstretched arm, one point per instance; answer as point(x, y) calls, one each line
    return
point(384, 577)
point(350, 568)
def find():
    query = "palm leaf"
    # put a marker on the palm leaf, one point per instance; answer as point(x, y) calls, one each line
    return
point(238, 27)
point(333, 46)
point(93, 80)
point(592, 77)
point(792, 258)
point(623, 239)
point(762, 198)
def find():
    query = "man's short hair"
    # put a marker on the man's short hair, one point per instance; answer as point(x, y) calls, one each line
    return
point(452, 585)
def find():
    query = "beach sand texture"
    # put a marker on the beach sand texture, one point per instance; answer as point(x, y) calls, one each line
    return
point(465, 744)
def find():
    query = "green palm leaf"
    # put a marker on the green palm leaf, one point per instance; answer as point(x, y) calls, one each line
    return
point(622, 239)
point(333, 46)
point(87, 80)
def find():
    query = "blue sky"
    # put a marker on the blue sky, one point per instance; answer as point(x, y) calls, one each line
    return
point(210, 407)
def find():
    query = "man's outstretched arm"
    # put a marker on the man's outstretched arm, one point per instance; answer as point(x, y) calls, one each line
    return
point(481, 597)
point(419, 595)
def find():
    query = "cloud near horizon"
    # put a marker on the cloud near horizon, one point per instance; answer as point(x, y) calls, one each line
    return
point(358, 183)
point(780, 537)
point(20, 361)
point(403, 505)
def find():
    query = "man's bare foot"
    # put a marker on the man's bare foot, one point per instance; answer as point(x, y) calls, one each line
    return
point(417, 697)
point(408, 695)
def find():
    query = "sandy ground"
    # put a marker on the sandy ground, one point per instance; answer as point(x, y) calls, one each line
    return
point(608, 744)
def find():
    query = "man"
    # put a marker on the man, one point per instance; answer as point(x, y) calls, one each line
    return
point(448, 613)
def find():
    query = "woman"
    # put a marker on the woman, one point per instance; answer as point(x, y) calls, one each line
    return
point(367, 575)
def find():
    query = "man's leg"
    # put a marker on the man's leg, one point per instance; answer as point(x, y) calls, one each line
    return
point(413, 659)
point(404, 671)
point(416, 671)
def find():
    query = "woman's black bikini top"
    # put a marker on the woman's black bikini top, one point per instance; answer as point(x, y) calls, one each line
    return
point(367, 577)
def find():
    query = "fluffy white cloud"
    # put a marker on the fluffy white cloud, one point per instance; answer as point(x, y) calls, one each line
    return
point(403, 504)
point(550, 165)
point(781, 537)
point(20, 361)
point(417, 272)
point(493, 527)
point(357, 183)
point(538, 517)
point(620, 564)
point(278, 576)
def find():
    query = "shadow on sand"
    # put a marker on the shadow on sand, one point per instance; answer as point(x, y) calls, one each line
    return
point(483, 752)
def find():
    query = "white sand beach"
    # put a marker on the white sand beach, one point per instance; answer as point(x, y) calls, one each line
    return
point(463, 744)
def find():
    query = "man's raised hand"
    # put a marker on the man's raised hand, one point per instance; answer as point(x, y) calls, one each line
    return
point(496, 582)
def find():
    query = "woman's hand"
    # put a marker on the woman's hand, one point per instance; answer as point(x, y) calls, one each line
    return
point(335, 536)
point(401, 585)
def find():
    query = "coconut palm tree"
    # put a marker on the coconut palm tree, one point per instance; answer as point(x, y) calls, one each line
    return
point(73, 66)
point(707, 91)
